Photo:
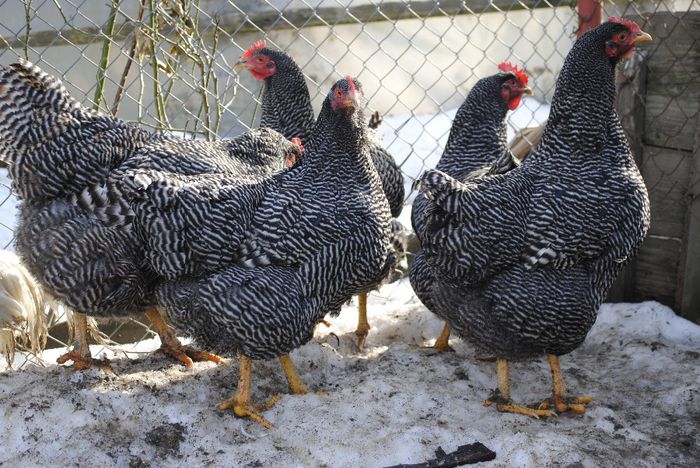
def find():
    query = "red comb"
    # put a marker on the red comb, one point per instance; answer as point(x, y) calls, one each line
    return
point(629, 23)
point(507, 67)
point(351, 84)
point(297, 141)
point(256, 46)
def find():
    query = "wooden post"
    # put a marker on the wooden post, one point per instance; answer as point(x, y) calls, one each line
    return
point(589, 15)
point(690, 285)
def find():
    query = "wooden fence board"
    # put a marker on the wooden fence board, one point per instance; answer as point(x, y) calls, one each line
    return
point(689, 291)
point(670, 121)
point(667, 175)
point(656, 277)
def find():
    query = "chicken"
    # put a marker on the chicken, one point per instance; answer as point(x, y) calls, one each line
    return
point(476, 146)
point(525, 259)
point(286, 107)
point(286, 103)
point(311, 237)
point(77, 233)
point(22, 306)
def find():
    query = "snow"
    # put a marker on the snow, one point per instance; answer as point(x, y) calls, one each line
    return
point(394, 403)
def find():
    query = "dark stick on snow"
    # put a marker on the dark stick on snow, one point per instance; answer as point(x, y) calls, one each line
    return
point(464, 455)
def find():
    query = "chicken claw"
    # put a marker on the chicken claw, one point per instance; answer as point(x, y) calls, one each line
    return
point(505, 405)
point(80, 355)
point(171, 346)
point(247, 410)
point(442, 344)
point(82, 361)
point(187, 354)
point(574, 404)
point(501, 396)
point(240, 400)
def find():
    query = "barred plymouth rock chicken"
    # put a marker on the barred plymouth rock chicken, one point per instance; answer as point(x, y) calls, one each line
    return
point(286, 107)
point(477, 146)
point(312, 237)
point(526, 258)
point(77, 232)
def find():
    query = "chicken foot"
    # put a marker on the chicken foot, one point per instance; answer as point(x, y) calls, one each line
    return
point(240, 400)
point(80, 354)
point(559, 401)
point(502, 396)
point(296, 386)
point(172, 346)
point(442, 344)
point(362, 324)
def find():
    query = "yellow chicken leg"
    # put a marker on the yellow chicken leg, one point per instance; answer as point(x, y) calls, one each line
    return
point(442, 344)
point(362, 323)
point(559, 401)
point(80, 354)
point(502, 395)
point(296, 386)
point(172, 346)
point(240, 400)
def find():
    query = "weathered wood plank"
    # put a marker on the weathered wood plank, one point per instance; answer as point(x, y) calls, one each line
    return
point(667, 175)
point(689, 290)
point(265, 19)
point(656, 275)
point(672, 88)
point(675, 51)
point(669, 121)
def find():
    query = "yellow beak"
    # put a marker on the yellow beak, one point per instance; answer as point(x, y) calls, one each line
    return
point(642, 37)
point(240, 64)
point(526, 90)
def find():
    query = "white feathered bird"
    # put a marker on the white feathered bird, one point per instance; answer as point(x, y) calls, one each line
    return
point(22, 305)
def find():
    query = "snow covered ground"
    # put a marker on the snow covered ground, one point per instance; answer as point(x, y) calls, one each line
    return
point(394, 403)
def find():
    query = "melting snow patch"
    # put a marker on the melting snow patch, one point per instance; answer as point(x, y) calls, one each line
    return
point(394, 403)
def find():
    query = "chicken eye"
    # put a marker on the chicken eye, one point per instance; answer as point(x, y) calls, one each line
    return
point(622, 37)
point(260, 59)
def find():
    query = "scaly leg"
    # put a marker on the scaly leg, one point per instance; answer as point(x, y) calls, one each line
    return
point(80, 355)
point(362, 323)
point(172, 346)
point(240, 400)
point(559, 401)
point(502, 395)
point(296, 386)
point(442, 344)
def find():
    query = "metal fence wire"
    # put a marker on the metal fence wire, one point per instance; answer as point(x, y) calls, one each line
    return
point(168, 65)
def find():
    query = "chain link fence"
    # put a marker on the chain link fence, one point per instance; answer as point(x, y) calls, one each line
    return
point(168, 65)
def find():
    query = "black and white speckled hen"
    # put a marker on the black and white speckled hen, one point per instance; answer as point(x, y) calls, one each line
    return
point(312, 237)
point(286, 107)
point(527, 257)
point(77, 232)
point(477, 146)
